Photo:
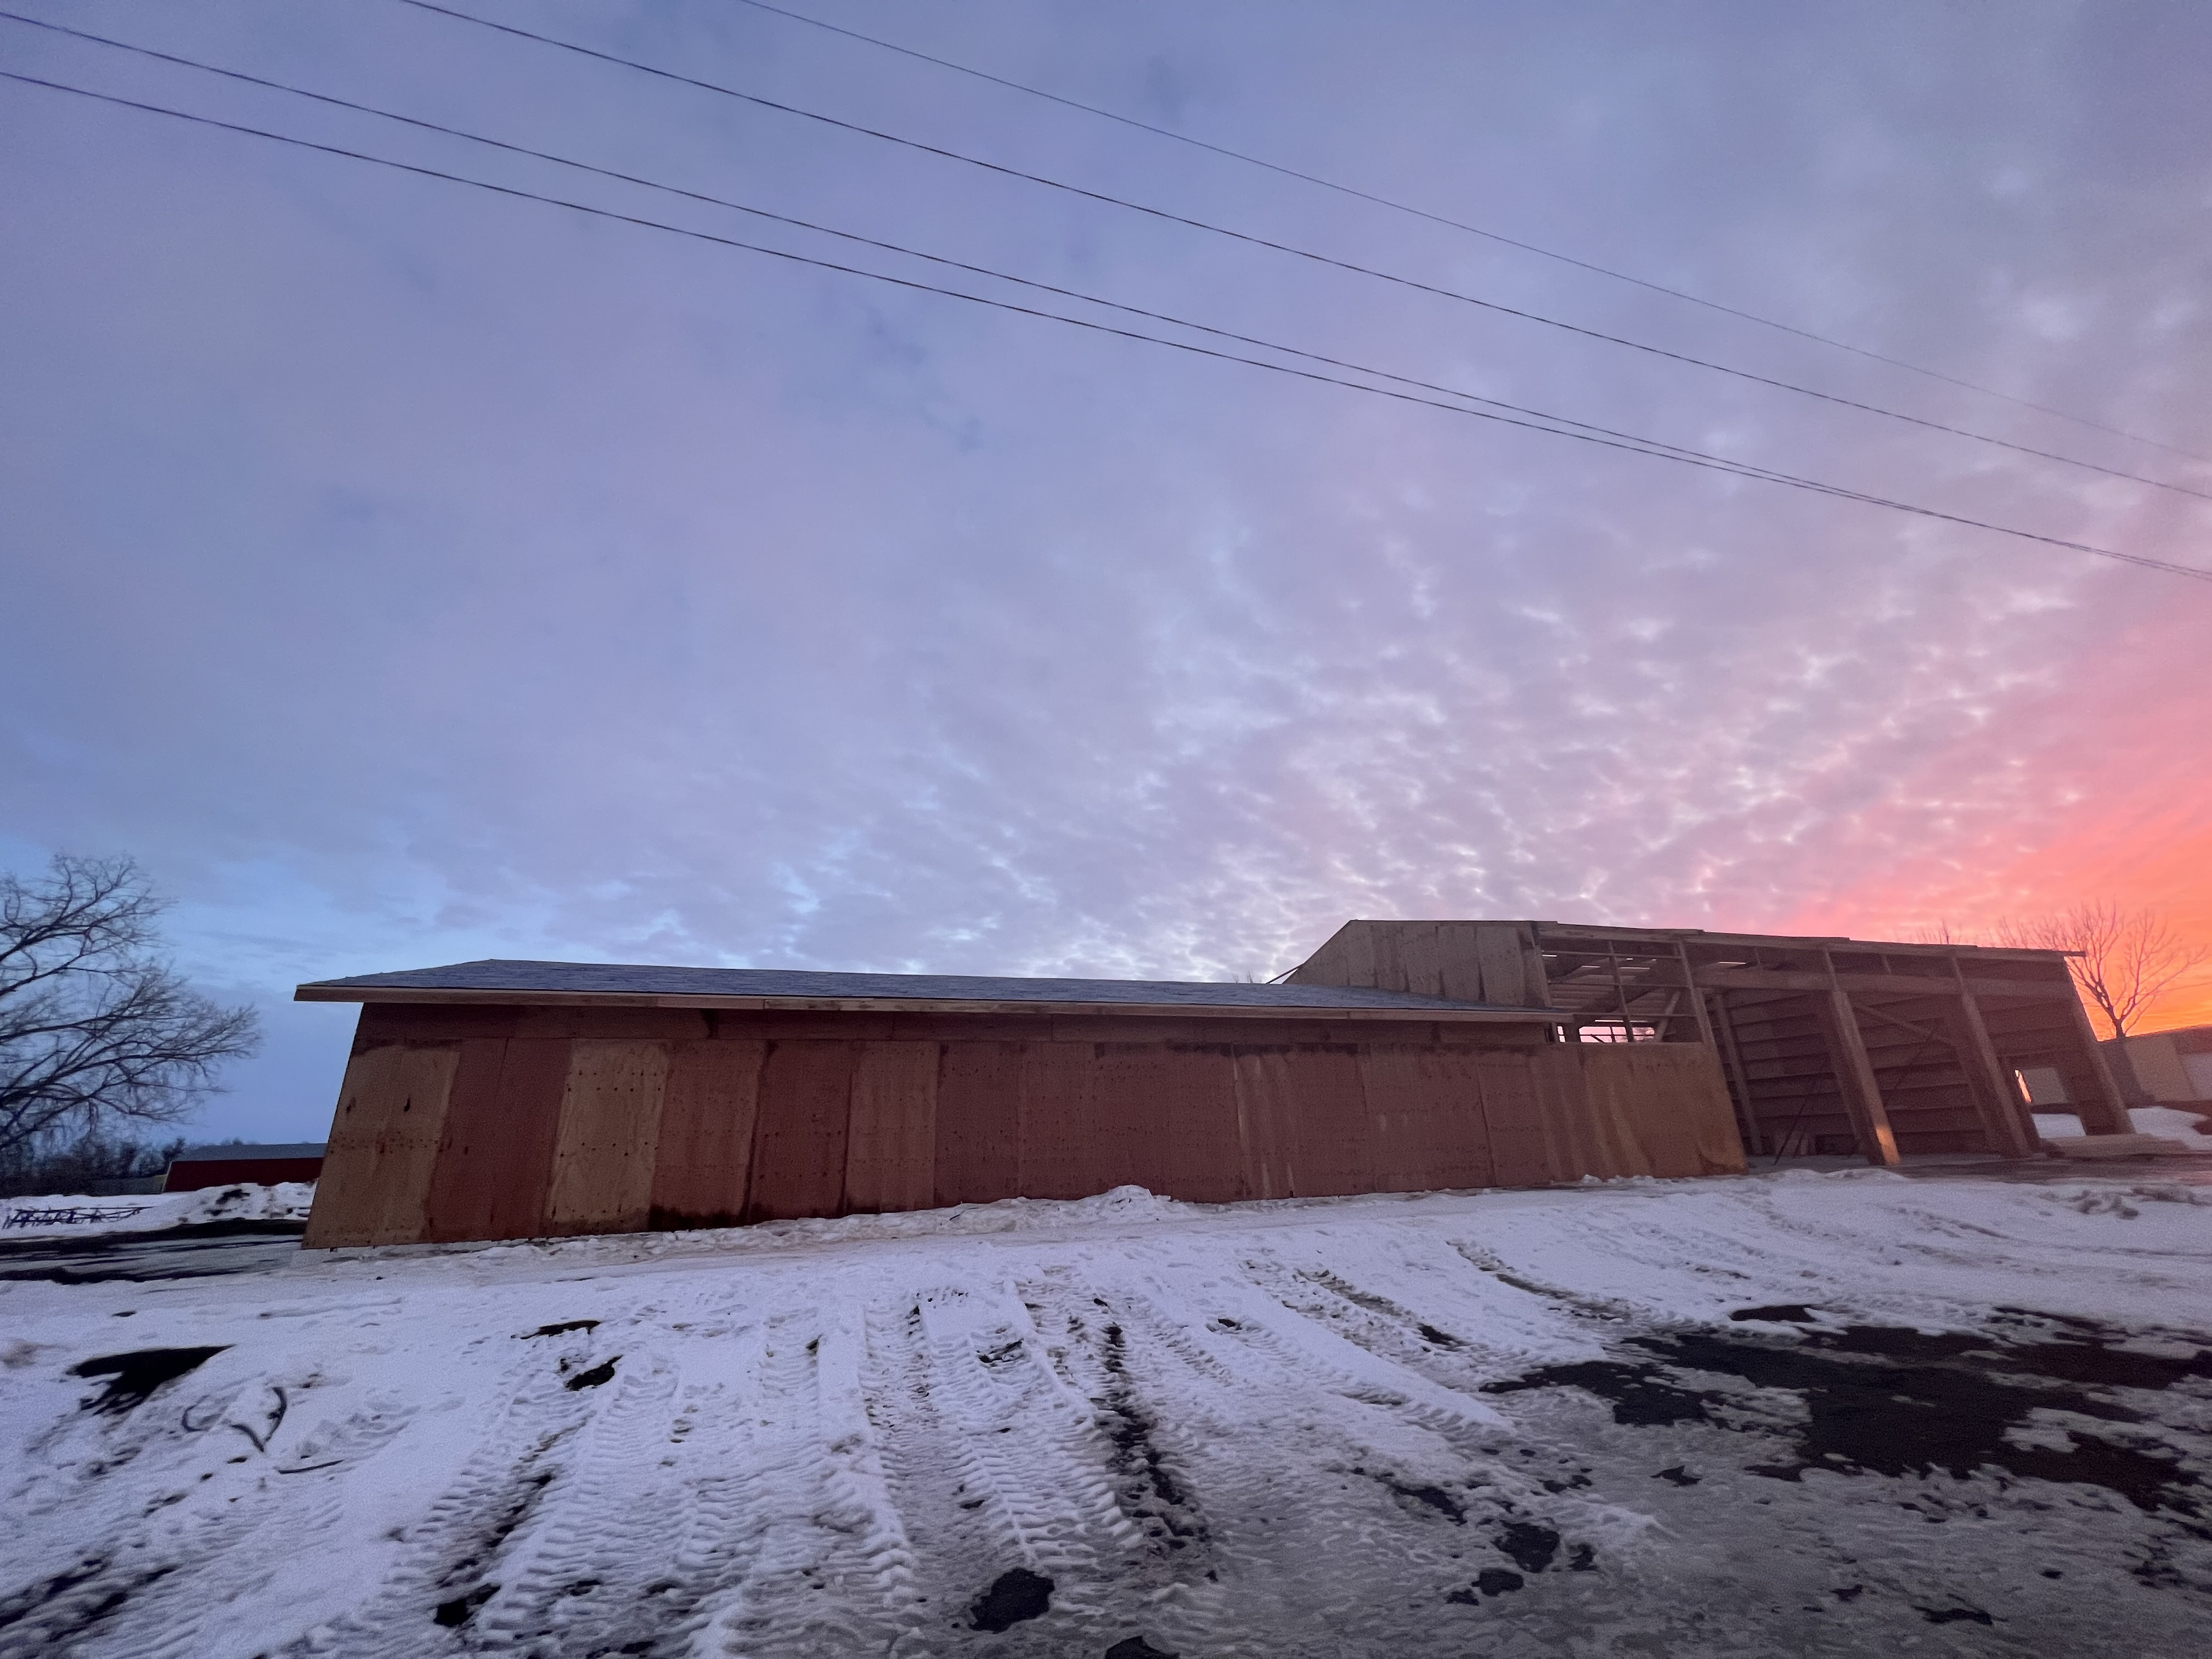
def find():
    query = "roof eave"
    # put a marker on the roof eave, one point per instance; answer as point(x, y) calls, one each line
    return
point(408, 994)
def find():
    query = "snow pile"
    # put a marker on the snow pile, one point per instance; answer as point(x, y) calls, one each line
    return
point(86, 1218)
point(2170, 1123)
point(1525, 1423)
point(2174, 1124)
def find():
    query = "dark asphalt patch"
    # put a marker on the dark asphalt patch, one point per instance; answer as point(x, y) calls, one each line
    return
point(593, 1377)
point(1148, 1491)
point(1013, 1597)
point(132, 1377)
point(1434, 1497)
point(457, 1612)
point(1954, 1615)
point(1491, 1581)
point(1528, 1545)
point(563, 1328)
point(194, 1250)
point(1885, 1400)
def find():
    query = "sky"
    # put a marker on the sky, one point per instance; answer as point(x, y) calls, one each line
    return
point(405, 573)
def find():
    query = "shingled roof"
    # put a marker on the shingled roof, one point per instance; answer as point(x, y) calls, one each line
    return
point(493, 980)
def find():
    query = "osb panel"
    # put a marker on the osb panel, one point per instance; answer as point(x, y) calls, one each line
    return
point(979, 1092)
point(891, 1148)
point(1332, 1147)
point(1590, 1111)
point(1498, 946)
point(1420, 957)
point(418, 1022)
point(1061, 1141)
point(798, 1149)
point(375, 1182)
point(1424, 1112)
point(1356, 956)
point(1129, 1143)
point(707, 1112)
point(1462, 971)
point(1676, 1100)
point(1204, 1165)
point(798, 1025)
point(609, 1136)
point(496, 1157)
point(1266, 1122)
point(1520, 1151)
point(556, 1022)
point(1172, 1113)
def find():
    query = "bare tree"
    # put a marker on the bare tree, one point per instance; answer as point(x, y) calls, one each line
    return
point(2128, 960)
point(94, 1026)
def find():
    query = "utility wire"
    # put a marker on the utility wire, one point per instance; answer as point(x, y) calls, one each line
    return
point(1749, 469)
point(1329, 260)
point(1457, 224)
point(1665, 453)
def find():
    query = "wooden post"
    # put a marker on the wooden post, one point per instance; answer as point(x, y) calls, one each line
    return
point(2106, 1113)
point(1697, 997)
point(2005, 1119)
point(1855, 1076)
point(1746, 1114)
point(1621, 995)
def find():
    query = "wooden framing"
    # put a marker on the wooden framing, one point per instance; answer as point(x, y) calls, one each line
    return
point(1917, 1057)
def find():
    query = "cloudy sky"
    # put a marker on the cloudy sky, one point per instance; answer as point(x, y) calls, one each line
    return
point(406, 574)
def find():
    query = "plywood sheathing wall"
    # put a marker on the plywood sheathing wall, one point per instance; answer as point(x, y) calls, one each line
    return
point(1491, 962)
point(488, 1123)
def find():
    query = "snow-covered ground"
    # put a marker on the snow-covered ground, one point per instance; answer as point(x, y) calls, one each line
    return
point(2170, 1122)
point(1790, 1414)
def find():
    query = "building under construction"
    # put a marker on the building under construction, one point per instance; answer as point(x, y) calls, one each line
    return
point(1877, 1049)
point(519, 1099)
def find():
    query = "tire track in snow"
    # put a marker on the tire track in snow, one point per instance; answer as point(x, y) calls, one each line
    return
point(1330, 1517)
point(454, 1558)
point(589, 1577)
point(220, 1529)
point(818, 1562)
point(1030, 1490)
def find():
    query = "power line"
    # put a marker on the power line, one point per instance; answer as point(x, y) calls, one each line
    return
point(1633, 446)
point(1472, 230)
point(1746, 468)
point(1328, 260)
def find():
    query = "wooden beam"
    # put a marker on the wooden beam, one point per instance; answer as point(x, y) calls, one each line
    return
point(1563, 934)
point(1925, 1033)
point(1855, 1077)
point(1907, 985)
point(1697, 997)
point(2105, 1113)
point(2004, 1116)
point(1746, 1116)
